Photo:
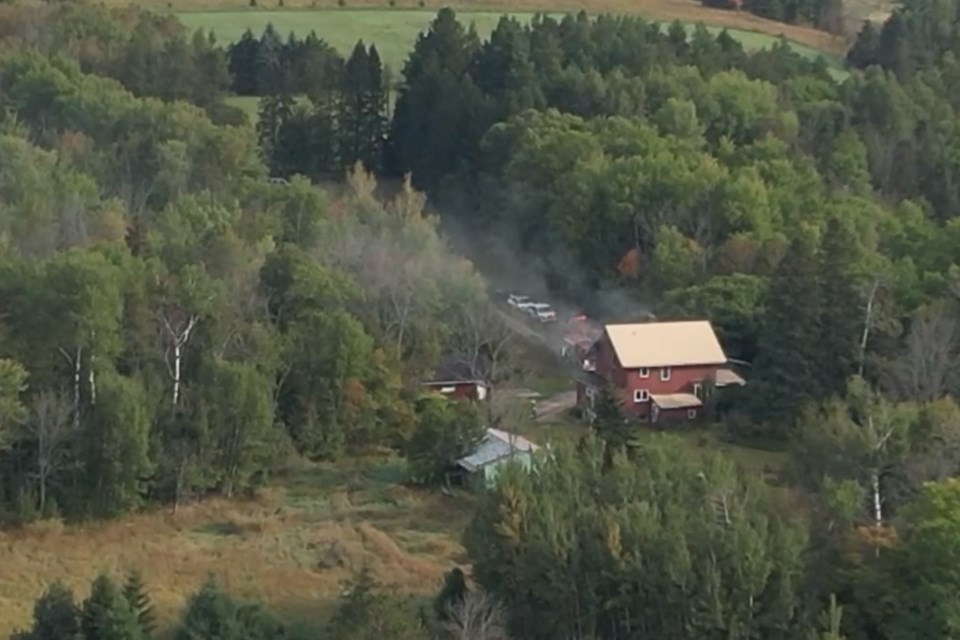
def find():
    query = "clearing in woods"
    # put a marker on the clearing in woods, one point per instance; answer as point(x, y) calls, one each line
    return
point(688, 11)
point(394, 31)
point(291, 546)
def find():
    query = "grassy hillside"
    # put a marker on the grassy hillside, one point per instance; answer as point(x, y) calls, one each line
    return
point(292, 546)
point(393, 31)
point(690, 11)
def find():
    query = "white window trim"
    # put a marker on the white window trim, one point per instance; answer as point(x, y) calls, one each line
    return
point(698, 390)
point(691, 414)
point(644, 372)
point(665, 374)
point(641, 395)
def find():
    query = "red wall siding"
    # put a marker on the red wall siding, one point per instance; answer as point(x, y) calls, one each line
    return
point(463, 390)
point(681, 379)
point(607, 364)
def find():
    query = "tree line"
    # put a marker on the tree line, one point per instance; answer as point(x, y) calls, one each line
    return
point(794, 210)
point(174, 325)
point(823, 14)
point(113, 611)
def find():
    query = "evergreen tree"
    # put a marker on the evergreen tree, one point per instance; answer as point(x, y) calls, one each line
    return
point(368, 612)
point(356, 82)
point(863, 53)
point(445, 431)
point(362, 108)
point(243, 56)
point(269, 64)
point(787, 370)
point(374, 111)
point(137, 597)
point(437, 120)
point(831, 620)
point(895, 49)
point(454, 590)
point(211, 78)
point(842, 316)
point(107, 615)
point(609, 422)
point(274, 112)
point(55, 616)
point(590, 536)
point(212, 613)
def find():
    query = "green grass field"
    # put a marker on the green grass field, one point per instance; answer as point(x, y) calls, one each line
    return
point(393, 31)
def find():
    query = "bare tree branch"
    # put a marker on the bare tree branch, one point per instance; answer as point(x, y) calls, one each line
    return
point(49, 429)
point(928, 366)
point(476, 616)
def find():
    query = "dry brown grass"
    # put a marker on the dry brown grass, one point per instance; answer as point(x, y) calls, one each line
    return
point(291, 547)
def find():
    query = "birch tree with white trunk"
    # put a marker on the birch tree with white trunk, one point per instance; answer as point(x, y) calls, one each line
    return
point(88, 290)
point(184, 296)
point(49, 430)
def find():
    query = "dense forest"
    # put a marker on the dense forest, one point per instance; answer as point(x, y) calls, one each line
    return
point(823, 14)
point(176, 325)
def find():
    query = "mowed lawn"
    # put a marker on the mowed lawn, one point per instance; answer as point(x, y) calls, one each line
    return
point(393, 31)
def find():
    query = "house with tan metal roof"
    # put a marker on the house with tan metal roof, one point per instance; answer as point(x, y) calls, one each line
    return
point(662, 370)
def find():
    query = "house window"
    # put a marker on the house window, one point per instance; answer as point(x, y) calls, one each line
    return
point(691, 414)
point(665, 374)
point(447, 389)
point(698, 390)
point(644, 372)
point(641, 395)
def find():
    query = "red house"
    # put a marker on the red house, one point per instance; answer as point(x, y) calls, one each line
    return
point(455, 379)
point(661, 369)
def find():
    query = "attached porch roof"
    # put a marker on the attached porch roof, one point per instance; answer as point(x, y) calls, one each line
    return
point(728, 378)
point(676, 400)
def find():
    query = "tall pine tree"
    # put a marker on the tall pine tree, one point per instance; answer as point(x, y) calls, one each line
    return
point(609, 422)
point(787, 370)
point(107, 615)
point(135, 591)
point(55, 616)
point(243, 64)
point(362, 109)
point(841, 318)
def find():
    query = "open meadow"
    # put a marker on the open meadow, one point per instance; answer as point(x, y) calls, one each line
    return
point(688, 11)
point(394, 31)
point(292, 546)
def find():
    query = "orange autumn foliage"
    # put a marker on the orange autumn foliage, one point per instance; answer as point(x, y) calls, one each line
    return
point(629, 265)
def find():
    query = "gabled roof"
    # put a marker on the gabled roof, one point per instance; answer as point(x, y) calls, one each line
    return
point(495, 445)
point(665, 344)
point(452, 371)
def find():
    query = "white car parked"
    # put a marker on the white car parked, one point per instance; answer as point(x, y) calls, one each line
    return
point(519, 302)
point(542, 312)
